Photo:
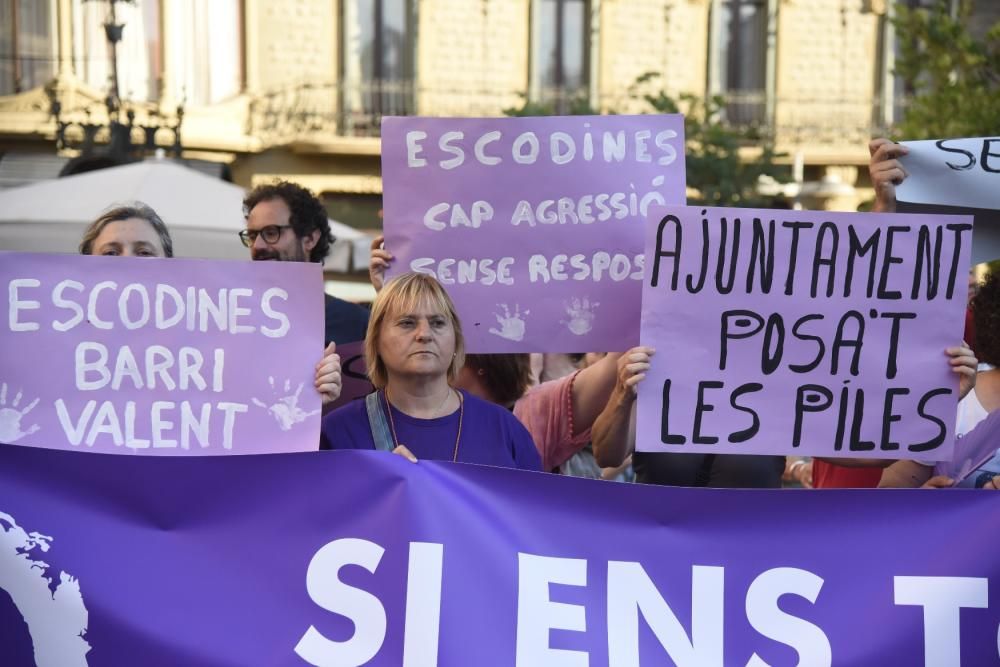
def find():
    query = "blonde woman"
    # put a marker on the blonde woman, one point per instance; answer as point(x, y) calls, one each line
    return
point(414, 349)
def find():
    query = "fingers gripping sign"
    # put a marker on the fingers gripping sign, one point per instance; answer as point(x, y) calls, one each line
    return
point(378, 262)
point(886, 172)
point(632, 367)
point(328, 380)
point(963, 362)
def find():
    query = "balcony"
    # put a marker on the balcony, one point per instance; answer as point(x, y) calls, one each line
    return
point(309, 112)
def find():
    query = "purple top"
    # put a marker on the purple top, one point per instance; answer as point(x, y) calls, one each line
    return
point(491, 435)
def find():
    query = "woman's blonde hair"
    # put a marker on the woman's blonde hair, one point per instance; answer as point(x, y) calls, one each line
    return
point(405, 294)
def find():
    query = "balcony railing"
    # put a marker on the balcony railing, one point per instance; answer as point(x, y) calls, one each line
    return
point(308, 111)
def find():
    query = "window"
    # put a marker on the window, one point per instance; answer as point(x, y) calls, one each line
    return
point(139, 51)
point(378, 61)
point(561, 54)
point(207, 61)
point(739, 59)
point(26, 45)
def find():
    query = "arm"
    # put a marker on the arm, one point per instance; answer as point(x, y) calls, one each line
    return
point(798, 469)
point(856, 463)
point(592, 389)
point(610, 435)
point(886, 173)
point(905, 475)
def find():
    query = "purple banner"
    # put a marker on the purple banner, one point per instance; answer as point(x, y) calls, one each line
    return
point(159, 356)
point(534, 225)
point(355, 558)
point(801, 332)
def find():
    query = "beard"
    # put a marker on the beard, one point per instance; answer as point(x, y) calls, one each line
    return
point(295, 254)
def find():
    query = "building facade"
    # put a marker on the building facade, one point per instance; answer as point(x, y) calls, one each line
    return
point(296, 88)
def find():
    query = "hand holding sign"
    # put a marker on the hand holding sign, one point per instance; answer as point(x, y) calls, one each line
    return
point(886, 172)
point(378, 262)
point(328, 379)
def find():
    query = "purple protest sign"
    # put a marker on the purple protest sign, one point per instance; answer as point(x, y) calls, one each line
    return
point(354, 374)
point(534, 225)
point(113, 560)
point(972, 450)
point(800, 332)
point(159, 356)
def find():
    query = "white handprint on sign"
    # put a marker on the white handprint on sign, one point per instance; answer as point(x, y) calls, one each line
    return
point(581, 315)
point(285, 409)
point(511, 325)
point(10, 417)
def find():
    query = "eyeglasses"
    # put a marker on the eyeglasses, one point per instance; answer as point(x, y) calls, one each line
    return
point(271, 234)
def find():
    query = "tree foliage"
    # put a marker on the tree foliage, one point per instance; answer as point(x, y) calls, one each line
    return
point(723, 164)
point(955, 78)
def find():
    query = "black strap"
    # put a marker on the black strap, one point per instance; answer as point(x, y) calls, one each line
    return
point(378, 424)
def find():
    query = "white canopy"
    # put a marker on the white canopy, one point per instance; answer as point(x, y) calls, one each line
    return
point(203, 213)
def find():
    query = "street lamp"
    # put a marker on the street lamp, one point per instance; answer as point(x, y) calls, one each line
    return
point(121, 128)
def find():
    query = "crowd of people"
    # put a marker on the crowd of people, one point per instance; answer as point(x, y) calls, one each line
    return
point(569, 414)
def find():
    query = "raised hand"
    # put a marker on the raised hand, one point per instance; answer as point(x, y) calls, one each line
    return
point(886, 172)
point(379, 262)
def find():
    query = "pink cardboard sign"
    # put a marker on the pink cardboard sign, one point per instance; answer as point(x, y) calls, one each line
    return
point(159, 356)
point(801, 332)
point(533, 225)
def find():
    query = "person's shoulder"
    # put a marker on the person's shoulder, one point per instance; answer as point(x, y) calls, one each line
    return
point(354, 406)
point(491, 413)
point(341, 307)
point(545, 396)
point(347, 427)
point(480, 406)
point(350, 411)
point(345, 322)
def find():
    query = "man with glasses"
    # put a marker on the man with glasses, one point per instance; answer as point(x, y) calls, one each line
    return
point(287, 223)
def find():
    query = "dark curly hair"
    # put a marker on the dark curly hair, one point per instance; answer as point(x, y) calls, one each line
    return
point(308, 212)
point(986, 317)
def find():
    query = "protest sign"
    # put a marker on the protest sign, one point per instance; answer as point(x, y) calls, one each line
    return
point(533, 225)
point(973, 450)
point(956, 176)
point(159, 356)
point(456, 565)
point(800, 332)
point(353, 375)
